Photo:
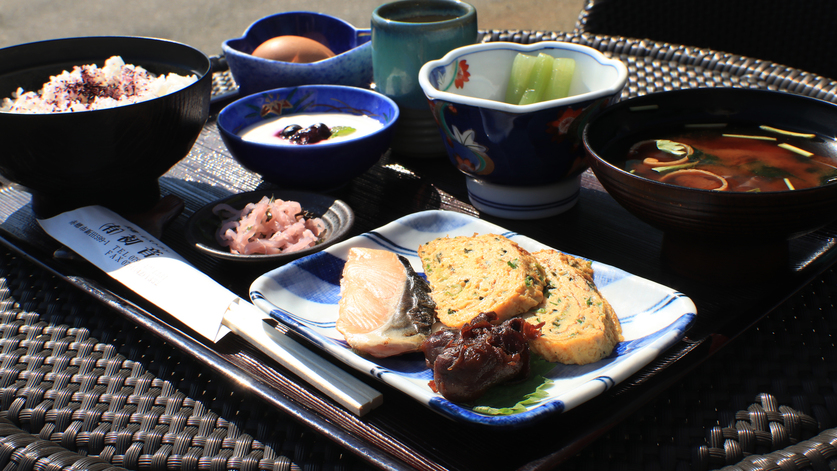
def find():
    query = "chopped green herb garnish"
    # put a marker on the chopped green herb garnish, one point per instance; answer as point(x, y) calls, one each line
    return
point(787, 133)
point(669, 168)
point(671, 147)
point(795, 149)
point(747, 136)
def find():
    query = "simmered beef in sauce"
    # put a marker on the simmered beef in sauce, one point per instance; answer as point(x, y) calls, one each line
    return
point(467, 362)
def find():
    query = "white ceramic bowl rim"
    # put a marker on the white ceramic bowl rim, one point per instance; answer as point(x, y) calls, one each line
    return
point(432, 92)
point(326, 144)
point(228, 48)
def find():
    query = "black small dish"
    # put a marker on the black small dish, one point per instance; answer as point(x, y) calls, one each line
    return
point(337, 216)
point(714, 235)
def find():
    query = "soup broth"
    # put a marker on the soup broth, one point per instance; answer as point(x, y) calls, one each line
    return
point(733, 158)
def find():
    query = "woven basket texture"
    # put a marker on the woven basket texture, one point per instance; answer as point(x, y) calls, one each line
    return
point(766, 401)
point(82, 388)
point(793, 33)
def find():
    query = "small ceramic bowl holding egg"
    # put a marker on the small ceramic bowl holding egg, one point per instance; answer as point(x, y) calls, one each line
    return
point(521, 161)
point(313, 137)
point(299, 48)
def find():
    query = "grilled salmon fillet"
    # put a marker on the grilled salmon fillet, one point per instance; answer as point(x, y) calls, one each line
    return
point(385, 307)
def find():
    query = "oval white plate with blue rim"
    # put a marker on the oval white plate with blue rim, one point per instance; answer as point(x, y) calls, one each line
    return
point(303, 295)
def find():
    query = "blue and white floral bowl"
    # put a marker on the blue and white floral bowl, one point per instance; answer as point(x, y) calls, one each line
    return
point(351, 65)
point(521, 161)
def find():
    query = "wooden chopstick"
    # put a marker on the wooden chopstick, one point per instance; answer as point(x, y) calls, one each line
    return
point(247, 321)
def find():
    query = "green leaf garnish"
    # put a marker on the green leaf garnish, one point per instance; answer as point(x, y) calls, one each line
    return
point(539, 394)
point(340, 131)
point(767, 171)
point(508, 399)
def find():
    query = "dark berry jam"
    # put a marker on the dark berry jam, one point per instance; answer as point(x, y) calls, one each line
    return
point(310, 135)
point(289, 131)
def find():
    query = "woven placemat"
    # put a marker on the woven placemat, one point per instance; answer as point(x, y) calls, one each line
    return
point(81, 388)
point(78, 382)
point(767, 400)
point(797, 34)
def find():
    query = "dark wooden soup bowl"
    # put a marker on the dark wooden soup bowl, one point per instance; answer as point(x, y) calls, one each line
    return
point(706, 227)
point(114, 156)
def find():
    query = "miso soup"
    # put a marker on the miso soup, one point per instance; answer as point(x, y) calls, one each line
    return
point(734, 158)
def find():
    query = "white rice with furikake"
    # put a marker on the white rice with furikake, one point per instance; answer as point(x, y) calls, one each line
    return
point(89, 87)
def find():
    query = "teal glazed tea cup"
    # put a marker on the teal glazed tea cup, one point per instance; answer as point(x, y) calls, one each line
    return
point(405, 35)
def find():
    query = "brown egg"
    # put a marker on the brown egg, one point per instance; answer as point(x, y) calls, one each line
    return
point(293, 49)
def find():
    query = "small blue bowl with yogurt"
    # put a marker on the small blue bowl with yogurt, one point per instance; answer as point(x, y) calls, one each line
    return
point(279, 134)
